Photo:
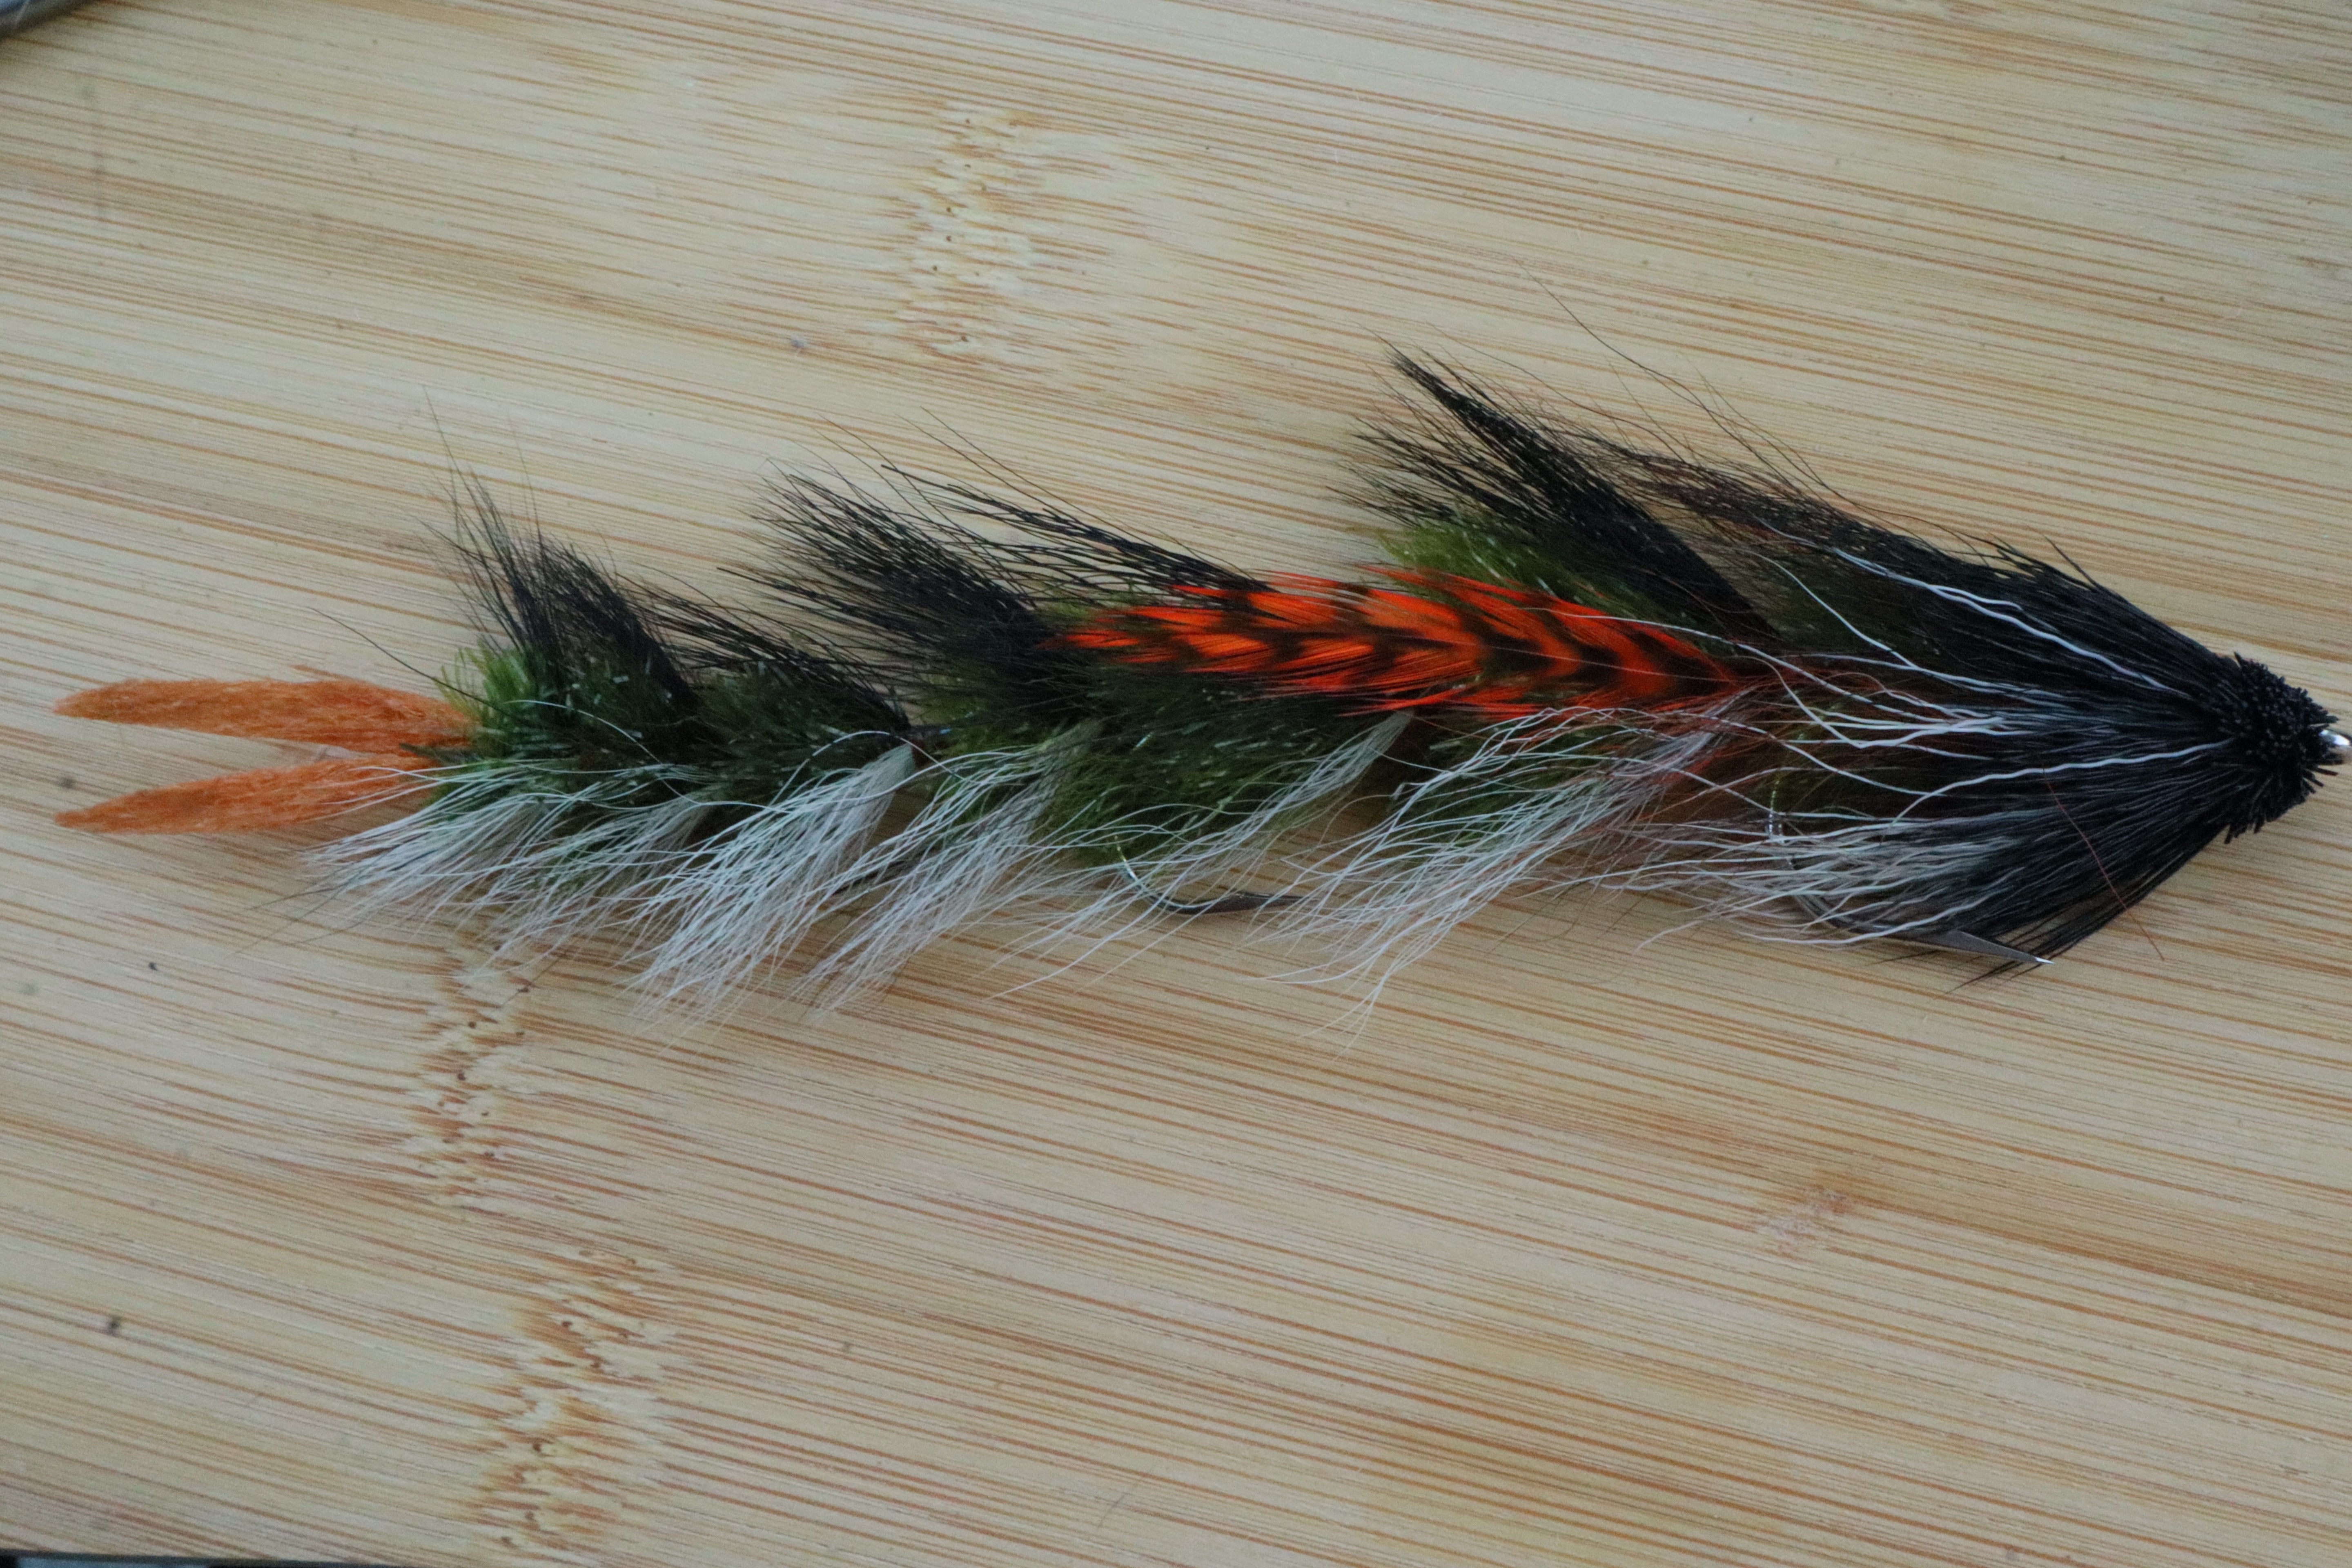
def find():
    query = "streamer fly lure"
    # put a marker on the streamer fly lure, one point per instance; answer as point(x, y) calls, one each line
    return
point(1586, 662)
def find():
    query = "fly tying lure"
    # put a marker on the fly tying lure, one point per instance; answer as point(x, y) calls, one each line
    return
point(1586, 662)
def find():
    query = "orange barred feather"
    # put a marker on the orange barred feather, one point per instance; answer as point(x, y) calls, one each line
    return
point(1433, 639)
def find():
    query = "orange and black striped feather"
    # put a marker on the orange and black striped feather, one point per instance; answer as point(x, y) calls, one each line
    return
point(1425, 639)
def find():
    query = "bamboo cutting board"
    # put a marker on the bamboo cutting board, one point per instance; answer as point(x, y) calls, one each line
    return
point(1596, 1242)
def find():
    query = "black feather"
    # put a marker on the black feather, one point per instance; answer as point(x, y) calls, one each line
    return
point(2111, 748)
point(1535, 487)
point(966, 619)
point(590, 672)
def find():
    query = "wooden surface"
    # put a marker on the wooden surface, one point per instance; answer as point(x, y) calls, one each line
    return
point(1586, 1247)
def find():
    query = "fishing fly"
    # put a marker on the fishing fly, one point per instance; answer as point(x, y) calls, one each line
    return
point(1585, 663)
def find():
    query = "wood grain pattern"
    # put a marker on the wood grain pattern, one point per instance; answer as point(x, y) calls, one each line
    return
point(1594, 1244)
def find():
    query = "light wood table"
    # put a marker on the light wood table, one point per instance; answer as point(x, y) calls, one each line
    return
point(1599, 1242)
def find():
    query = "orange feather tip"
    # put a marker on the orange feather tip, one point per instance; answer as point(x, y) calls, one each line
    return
point(256, 800)
point(353, 714)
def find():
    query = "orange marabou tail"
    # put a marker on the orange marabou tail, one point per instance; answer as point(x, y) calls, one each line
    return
point(331, 712)
point(251, 801)
point(1433, 639)
point(391, 731)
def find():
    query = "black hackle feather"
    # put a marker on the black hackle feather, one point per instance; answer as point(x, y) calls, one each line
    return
point(2112, 747)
